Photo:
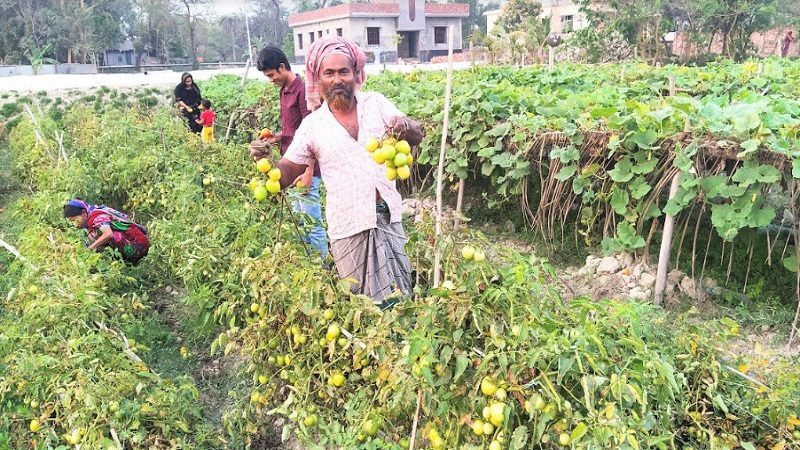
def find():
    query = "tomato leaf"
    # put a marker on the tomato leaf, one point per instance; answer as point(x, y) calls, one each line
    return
point(578, 432)
point(461, 365)
point(519, 438)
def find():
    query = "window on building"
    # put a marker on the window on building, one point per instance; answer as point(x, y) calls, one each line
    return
point(440, 35)
point(567, 23)
point(311, 37)
point(327, 32)
point(373, 36)
point(300, 41)
point(338, 31)
point(319, 33)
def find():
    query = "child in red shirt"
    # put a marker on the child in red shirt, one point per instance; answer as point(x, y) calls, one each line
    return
point(207, 121)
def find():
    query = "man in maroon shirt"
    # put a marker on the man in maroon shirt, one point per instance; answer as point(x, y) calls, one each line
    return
point(787, 42)
point(272, 62)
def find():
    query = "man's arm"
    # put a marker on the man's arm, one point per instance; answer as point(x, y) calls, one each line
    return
point(306, 177)
point(289, 171)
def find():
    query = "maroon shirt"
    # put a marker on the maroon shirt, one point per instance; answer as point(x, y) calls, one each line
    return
point(293, 111)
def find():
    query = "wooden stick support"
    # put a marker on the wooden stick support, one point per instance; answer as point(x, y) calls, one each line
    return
point(11, 249)
point(669, 225)
point(230, 126)
point(416, 421)
point(459, 203)
point(437, 254)
point(246, 71)
point(666, 244)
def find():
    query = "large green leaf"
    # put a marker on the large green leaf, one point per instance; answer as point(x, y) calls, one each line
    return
point(644, 139)
point(761, 217)
point(790, 263)
point(639, 188)
point(619, 201)
point(566, 172)
point(749, 147)
point(683, 156)
point(660, 114)
point(622, 171)
point(752, 172)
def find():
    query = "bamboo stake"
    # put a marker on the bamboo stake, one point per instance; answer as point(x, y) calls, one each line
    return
point(230, 126)
point(416, 416)
point(437, 259)
point(11, 249)
point(796, 232)
point(36, 130)
point(669, 223)
point(459, 203)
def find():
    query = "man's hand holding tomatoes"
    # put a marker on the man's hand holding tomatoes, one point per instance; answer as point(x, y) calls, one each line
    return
point(405, 128)
point(259, 149)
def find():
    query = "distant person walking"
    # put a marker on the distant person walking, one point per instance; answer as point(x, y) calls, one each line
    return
point(787, 42)
point(188, 98)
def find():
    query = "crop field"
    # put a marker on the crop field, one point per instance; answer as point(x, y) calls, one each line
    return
point(227, 336)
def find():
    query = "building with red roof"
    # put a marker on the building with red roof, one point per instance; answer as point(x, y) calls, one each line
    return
point(386, 29)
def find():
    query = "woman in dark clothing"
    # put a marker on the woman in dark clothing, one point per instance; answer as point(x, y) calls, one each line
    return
point(188, 98)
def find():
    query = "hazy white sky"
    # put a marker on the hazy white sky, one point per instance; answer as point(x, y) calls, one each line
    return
point(224, 7)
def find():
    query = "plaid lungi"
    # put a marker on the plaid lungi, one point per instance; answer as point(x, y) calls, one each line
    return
point(377, 261)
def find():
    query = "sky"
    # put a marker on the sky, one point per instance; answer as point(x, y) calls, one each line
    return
point(223, 7)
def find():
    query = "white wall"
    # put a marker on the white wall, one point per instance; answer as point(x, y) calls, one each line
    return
point(388, 30)
point(327, 27)
point(556, 9)
point(427, 41)
point(491, 20)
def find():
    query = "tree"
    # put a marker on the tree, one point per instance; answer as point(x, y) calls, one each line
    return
point(190, 23)
point(522, 28)
point(732, 21)
point(641, 23)
point(272, 25)
point(516, 15)
point(155, 29)
point(310, 5)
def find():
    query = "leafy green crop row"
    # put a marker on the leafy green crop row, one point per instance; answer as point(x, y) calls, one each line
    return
point(584, 374)
point(595, 144)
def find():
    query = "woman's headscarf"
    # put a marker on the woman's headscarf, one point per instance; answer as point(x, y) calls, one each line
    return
point(326, 47)
point(183, 82)
point(80, 204)
point(89, 208)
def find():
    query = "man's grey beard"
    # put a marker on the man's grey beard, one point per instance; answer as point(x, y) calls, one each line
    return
point(340, 97)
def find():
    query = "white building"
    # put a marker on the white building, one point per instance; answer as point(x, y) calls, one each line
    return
point(491, 20)
point(564, 15)
point(408, 29)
